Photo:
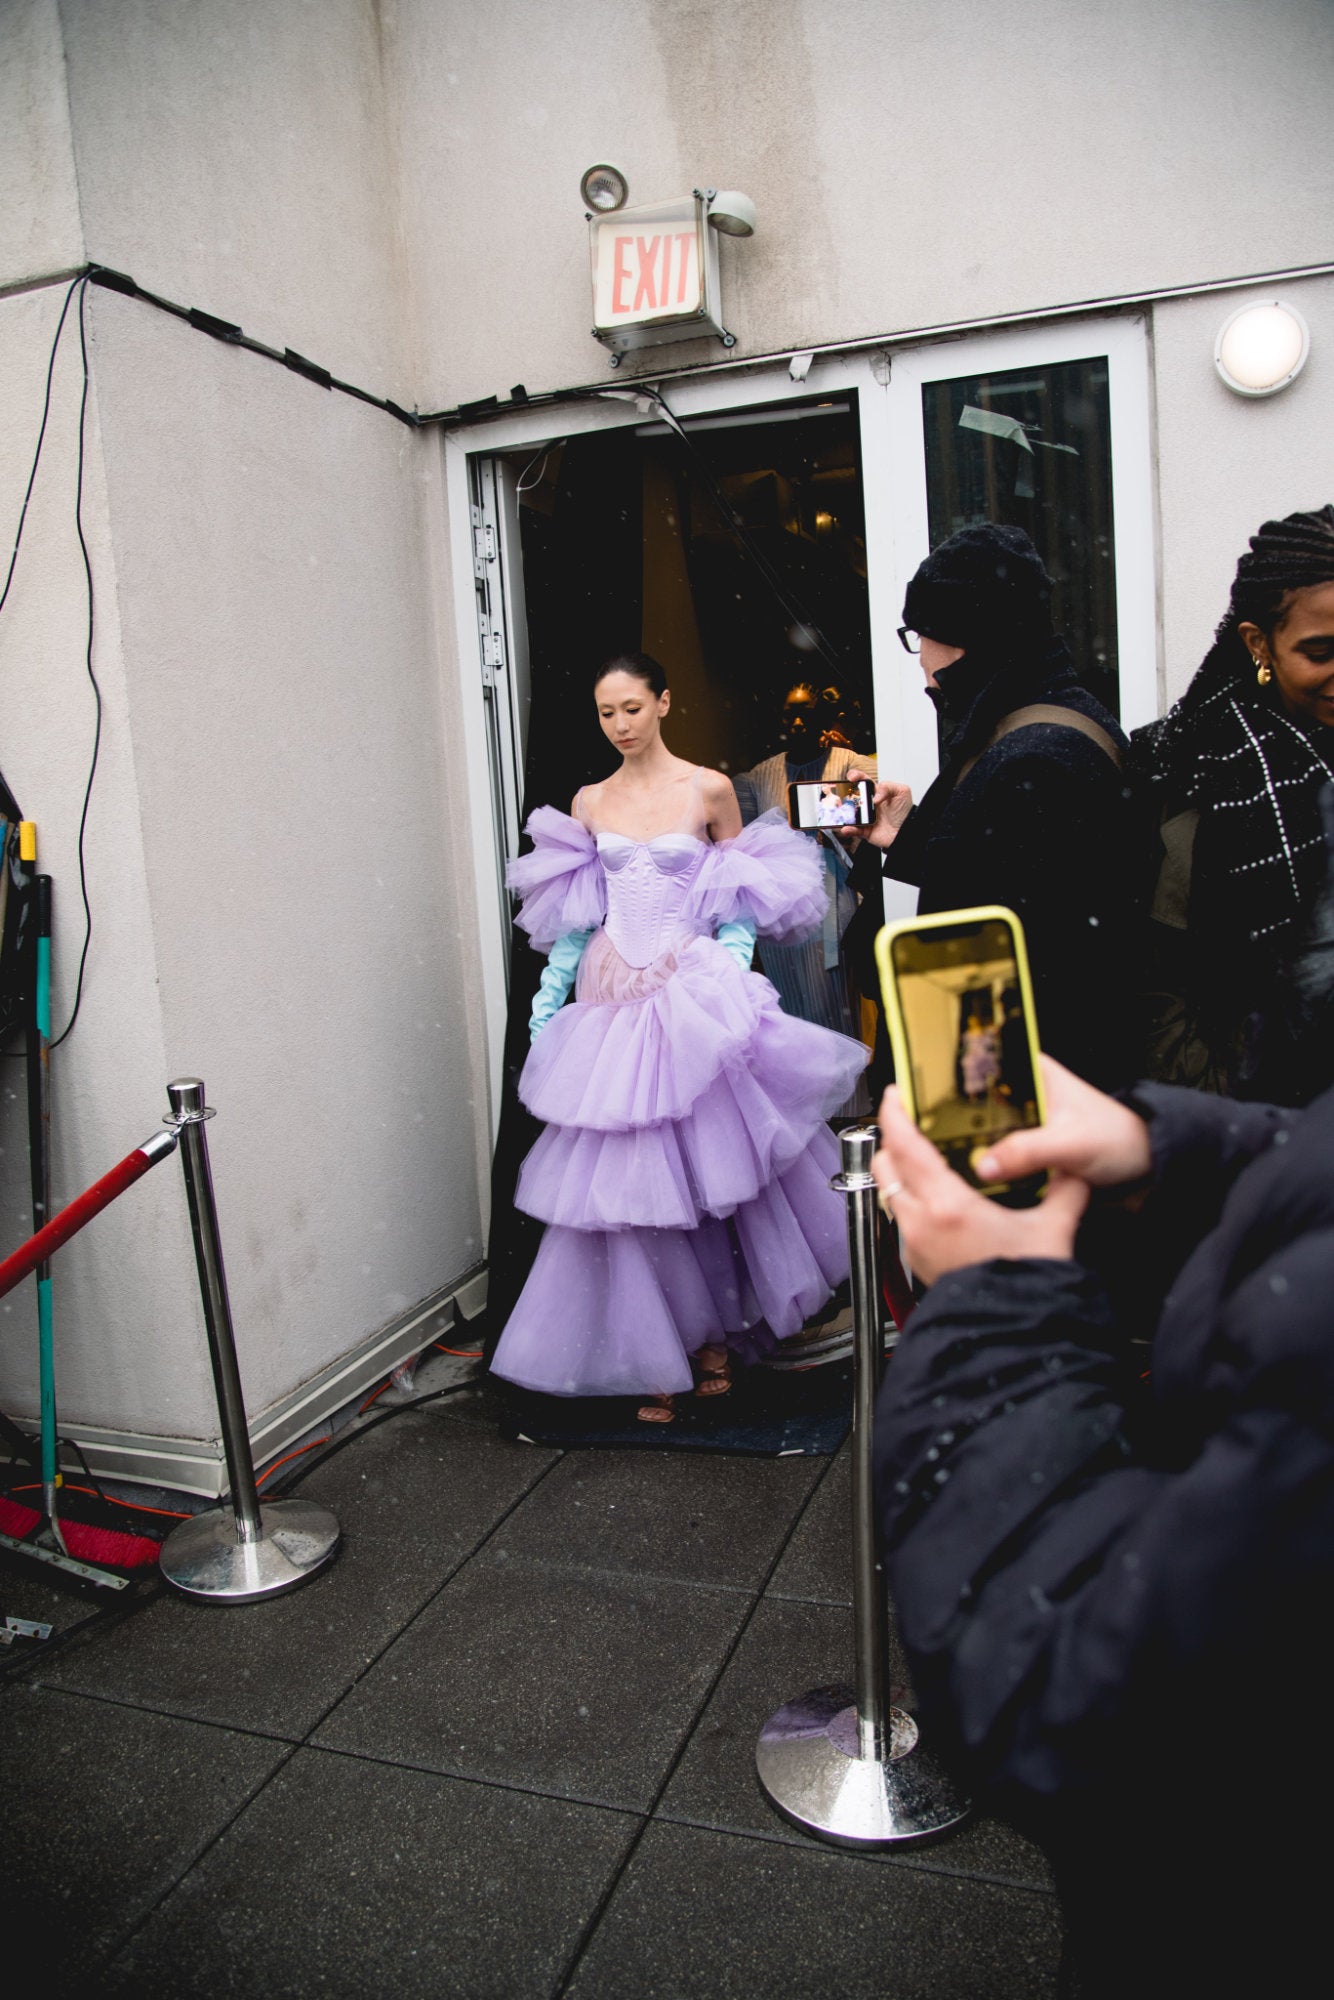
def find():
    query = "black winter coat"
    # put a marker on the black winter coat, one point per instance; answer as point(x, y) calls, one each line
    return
point(1041, 823)
point(1117, 1593)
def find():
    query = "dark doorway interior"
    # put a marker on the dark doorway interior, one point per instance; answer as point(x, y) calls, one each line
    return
point(738, 560)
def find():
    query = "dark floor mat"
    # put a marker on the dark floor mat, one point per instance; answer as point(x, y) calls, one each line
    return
point(766, 1414)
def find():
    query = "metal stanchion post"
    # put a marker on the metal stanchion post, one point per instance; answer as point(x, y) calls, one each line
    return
point(254, 1548)
point(843, 1763)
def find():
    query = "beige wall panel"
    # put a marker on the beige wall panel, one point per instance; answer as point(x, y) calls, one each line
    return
point(284, 701)
point(232, 154)
point(914, 162)
point(129, 1349)
point(39, 215)
point(1228, 462)
point(274, 864)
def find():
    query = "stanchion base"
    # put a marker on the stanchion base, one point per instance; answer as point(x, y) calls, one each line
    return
point(808, 1764)
point(203, 1557)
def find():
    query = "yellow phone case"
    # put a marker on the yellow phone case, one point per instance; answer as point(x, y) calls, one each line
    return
point(898, 1035)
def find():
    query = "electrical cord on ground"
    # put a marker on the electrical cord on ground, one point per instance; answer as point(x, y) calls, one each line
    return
point(355, 1430)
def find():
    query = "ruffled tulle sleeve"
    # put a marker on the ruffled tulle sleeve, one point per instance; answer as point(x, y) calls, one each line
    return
point(769, 874)
point(561, 882)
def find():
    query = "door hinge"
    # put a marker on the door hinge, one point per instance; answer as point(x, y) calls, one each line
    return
point(493, 654)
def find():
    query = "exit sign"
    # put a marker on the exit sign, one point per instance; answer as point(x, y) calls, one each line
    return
point(655, 275)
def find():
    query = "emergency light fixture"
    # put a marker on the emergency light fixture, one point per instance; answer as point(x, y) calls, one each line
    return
point(732, 212)
point(1261, 348)
point(604, 188)
point(655, 266)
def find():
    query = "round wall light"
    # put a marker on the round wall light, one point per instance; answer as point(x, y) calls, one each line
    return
point(604, 188)
point(1262, 348)
point(732, 212)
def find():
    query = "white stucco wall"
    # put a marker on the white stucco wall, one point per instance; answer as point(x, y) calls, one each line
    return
point(278, 845)
point(127, 1336)
point(235, 155)
point(1228, 462)
point(40, 227)
point(914, 162)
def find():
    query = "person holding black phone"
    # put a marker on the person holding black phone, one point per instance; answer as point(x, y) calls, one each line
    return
point(1030, 810)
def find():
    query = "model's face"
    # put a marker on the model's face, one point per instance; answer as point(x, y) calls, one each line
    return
point(936, 656)
point(1300, 653)
point(629, 711)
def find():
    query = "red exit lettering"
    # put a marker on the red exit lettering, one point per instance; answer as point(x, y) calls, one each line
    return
point(652, 271)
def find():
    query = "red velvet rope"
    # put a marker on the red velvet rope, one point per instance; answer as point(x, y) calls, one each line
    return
point(83, 1208)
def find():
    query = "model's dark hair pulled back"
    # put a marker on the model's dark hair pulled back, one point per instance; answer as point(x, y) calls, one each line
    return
point(1292, 554)
point(642, 665)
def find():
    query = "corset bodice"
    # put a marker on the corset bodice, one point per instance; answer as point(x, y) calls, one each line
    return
point(648, 888)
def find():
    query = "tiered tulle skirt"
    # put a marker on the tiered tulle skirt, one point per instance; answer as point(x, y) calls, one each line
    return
point(683, 1174)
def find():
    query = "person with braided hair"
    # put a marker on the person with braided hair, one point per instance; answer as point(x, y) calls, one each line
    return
point(1242, 957)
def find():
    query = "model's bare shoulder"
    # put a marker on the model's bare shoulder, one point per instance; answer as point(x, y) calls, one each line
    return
point(716, 786)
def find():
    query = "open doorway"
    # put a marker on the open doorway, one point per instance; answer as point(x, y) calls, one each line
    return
point(736, 555)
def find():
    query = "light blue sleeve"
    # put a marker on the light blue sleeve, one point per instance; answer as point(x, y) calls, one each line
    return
point(556, 981)
point(738, 937)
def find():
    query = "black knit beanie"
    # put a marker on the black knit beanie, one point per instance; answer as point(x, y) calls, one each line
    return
point(984, 587)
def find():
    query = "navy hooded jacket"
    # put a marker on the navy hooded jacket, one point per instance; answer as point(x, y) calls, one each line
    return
point(1111, 1549)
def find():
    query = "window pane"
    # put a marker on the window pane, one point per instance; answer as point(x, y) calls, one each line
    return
point(1031, 447)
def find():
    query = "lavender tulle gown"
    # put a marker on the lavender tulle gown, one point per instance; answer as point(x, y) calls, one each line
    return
point(684, 1171)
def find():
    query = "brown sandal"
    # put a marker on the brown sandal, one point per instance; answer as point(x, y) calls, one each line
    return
point(714, 1379)
point(660, 1410)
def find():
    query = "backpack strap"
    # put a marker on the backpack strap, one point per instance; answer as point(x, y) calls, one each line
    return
point(1171, 895)
point(1044, 711)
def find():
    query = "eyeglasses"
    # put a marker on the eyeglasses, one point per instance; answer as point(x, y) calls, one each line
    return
point(910, 641)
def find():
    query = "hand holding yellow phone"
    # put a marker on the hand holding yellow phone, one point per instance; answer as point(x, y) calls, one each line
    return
point(959, 1008)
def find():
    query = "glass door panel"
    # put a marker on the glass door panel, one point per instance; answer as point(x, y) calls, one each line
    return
point(1031, 448)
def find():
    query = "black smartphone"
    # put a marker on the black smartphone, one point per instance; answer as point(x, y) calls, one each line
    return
point(959, 1007)
point(818, 803)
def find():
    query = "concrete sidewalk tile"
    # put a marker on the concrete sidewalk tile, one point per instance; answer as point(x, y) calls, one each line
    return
point(29, 1589)
point(273, 1667)
point(817, 1563)
point(706, 1916)
point(528, 1674)
point(700, 1517)
point(105, 1809)
point(347, 1878)
point(424, 1476)
point(787, 1649)
point(412, 1497)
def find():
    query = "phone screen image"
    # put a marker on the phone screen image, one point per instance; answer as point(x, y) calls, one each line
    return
point(965, 1046)
point(829, 802)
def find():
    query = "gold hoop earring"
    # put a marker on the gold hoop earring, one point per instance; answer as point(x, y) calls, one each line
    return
point(1264, 673)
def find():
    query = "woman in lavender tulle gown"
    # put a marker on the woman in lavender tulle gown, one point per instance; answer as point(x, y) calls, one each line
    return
point(684, 1171)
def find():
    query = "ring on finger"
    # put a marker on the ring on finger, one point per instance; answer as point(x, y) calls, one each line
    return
point(887, 1195)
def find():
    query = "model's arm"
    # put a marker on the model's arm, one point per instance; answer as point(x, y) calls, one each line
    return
point(720, 800)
